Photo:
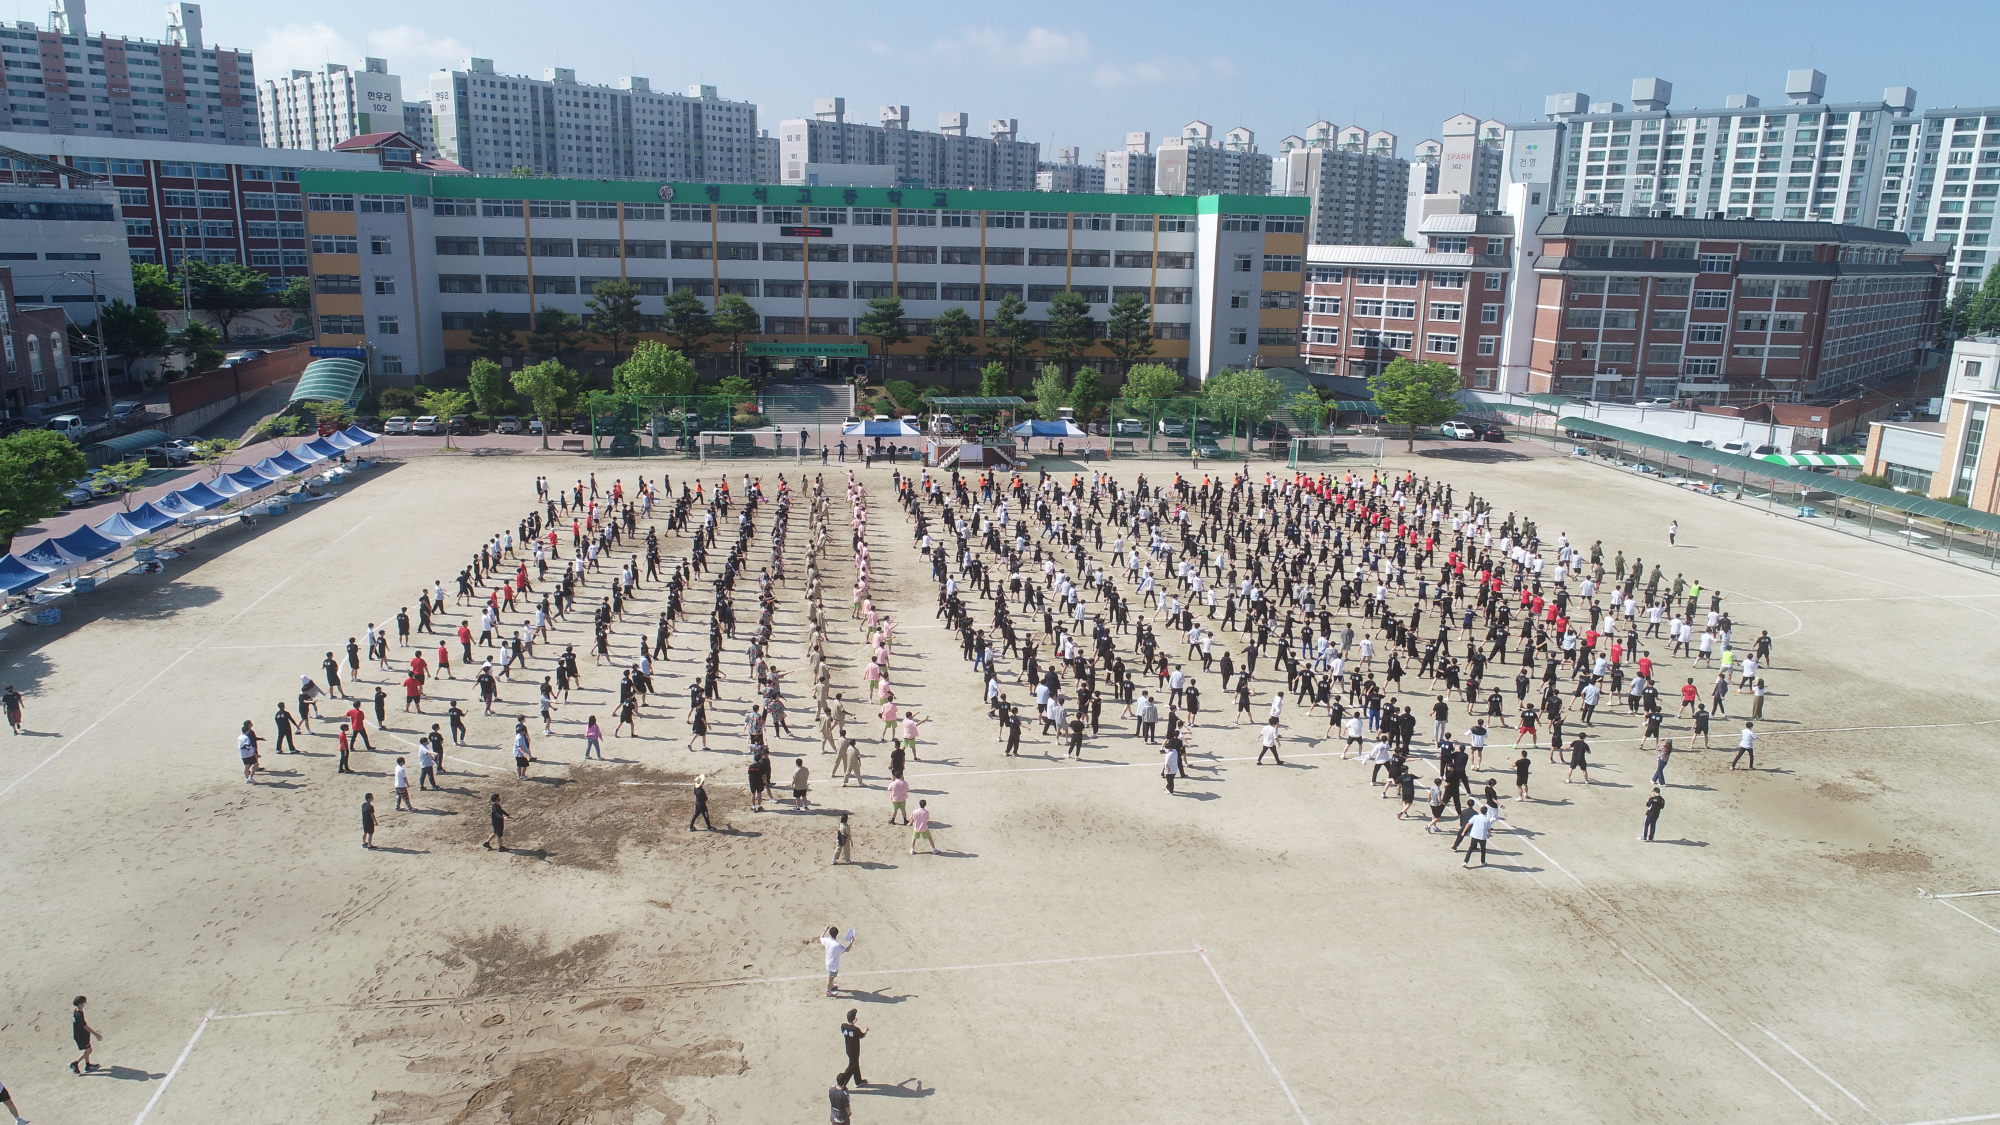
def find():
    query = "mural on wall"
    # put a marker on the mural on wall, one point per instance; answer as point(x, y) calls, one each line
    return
point(253, 327)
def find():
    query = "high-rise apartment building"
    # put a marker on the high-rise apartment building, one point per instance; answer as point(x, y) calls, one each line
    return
point(1847, 162)
point(1130, 171)
point(491, 123)
point(1070, 174)
point(1468, 158)
point(321, 108)
point(1951, 196)
point(1358, 186)
point(67, 81)
point(1194, 164)
point(951, 158)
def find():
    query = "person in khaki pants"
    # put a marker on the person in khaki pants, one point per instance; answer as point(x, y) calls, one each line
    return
point(843, 843)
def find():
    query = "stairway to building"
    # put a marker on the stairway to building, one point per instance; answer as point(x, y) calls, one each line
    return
point(806, 404)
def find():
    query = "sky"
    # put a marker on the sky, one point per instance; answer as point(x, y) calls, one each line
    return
point(1085, 74)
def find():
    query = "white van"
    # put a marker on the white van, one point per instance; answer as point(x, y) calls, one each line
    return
point(68, 425)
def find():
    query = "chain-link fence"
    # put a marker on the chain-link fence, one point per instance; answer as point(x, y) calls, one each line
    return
point(1176, 429)
point(701, 426)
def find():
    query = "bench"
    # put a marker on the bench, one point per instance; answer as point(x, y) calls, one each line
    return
point(1174, 446)
point(572, 443)
point(1125, 446)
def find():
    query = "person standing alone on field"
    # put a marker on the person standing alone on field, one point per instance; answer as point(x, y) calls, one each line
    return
point(851, 1035)
point(82, 1033)
point(1654, 804)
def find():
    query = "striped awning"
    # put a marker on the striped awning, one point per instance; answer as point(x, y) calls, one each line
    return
point(1815, 460)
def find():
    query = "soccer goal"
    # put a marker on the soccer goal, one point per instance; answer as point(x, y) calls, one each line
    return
point(1320, 450)
point(711, 444)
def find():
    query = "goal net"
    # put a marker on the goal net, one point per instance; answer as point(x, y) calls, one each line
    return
point(1319, 450)
point(738, 443)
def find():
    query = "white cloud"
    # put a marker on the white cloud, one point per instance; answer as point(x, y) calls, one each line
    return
point(303, 46)
point(1165, 68)
point(1036, 48)
point(404, 42)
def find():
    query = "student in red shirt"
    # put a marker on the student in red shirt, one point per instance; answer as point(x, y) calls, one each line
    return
point(358, 720)
point(413, 693)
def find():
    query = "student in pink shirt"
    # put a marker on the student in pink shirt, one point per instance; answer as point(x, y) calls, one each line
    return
point(899, 800)
point(593, 738)
point(920, 828)
point(910, 725)
point(873, 675)
point(889, 714)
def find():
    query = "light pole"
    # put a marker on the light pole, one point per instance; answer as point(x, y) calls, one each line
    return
point(103, 371)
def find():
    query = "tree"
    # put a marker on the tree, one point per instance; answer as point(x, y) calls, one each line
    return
point(614, 314)
point(199, 345)
point(1071, 328)
point(36, 468)
point(1415, 394)
point(902, 392)
point(1400, 242)
point(329, 415)
point(948, 337)
point(211, 453)
point(1131, 328)
point(283, 430)
point(689, 323)
point(1982, 310)
point(488, 385)
point(558, 336)
point(1152, 380)
point(133, 333)
point(993, 382)
point(884, 321)
point(1310, 408)
point(120, 480)
point(297, 295)
point(1009, 334)
point(152, 288)
point(1049, 393)
point(1247, 397)
point(225, 291)
point(444, 404)
point(1086, 392)
point(547, 386)
point(736, 318)
point(493, 335)
point(654, 369)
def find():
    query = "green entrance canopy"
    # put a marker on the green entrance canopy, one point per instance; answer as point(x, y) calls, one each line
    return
point(1001, 402)
point(329, 380)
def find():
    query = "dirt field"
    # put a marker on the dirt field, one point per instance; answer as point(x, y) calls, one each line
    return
point(1271, 945)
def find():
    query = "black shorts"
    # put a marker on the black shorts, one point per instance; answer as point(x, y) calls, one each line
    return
point(82, 1041)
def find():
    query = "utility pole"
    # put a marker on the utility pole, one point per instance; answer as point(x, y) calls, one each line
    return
point(103, 371)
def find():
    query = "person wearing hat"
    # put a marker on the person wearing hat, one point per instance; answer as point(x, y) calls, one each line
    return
point(701, 803)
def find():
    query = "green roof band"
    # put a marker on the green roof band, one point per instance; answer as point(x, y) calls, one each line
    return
point(778, 195)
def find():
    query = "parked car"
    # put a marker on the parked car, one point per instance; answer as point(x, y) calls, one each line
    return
point(535, 425)
point(123, 410)
point(1174, 427)
point(509, 424)
point(1765, 451)
point(245, 355)
point(461, 424)
point(68, 425)
point(1129, 427)
point(624, 444)
point(1098, 428)
point(428, 424)
point(1206, 447)
point(1736, 447)
point(182, 444)
point(1204, 428)
point(1489, 432)
point(1458, 430)
point(1658, 403)
point(580, 424)
point(81, 492)
point(941, 424)
point(400, 424)
point(1902, 416)
point(166, 456)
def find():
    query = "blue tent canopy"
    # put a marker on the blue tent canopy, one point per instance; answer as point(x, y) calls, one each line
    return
point(224, 486)
point(358, 436)
point(339, 440)
point(200, 497)
point(84, 543)
point(16, 576)
point(250, 478)
point(880, 429)
point(268, 469)
point(321, 449)
point(119, 529)
point(148, 517)
point(172, 504)
point(47, 555)
point(292, 463)
point(1057, 428)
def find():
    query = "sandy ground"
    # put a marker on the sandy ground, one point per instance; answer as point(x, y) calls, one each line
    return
point(1272, 945)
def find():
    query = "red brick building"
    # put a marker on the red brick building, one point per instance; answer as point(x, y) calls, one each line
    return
point(1444, 300)
point(36, 353)
point(1727, 311)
